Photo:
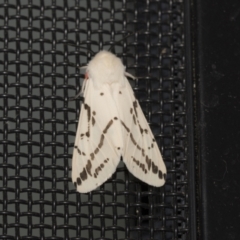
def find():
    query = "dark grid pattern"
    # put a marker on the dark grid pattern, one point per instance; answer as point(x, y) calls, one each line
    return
point(38, 122)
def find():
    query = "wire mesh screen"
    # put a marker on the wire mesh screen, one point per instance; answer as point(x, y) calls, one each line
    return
point(40, 42)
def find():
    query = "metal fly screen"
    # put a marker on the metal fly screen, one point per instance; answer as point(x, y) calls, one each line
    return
point(38, 122)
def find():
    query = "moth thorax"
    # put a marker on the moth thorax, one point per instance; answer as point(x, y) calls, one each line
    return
point(105, 67)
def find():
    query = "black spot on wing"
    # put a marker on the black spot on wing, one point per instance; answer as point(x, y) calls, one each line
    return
point(124, 125)
point(92, 156)
point(93, 121)
point(106, 160)
point(160, 175)
point(141, 165)
point(79, 182)
point(134, 142)
point(132, 139)
point(83, 174)
point(154, 168)
point(148, 161)
point(88, 111)
point(78, 150)
point(101, 94)
point(140, 128)
point(89, 167)
point(136, 161)
point(134, 120)
point(89, 118)
point(135, 107)
point(101, 141)
point(108, 126)
point(97, 170)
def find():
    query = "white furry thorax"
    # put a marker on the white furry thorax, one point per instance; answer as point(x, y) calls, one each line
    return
point(104, 68)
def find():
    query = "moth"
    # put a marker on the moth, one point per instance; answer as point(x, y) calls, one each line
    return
point(112, 126)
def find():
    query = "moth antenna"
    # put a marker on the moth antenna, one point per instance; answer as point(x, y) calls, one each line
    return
point(129, 35)
point(75, 97)
point(74, 45)
point(73, 65)
point(130, 75)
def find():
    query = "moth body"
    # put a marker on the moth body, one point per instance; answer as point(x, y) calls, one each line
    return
point(112, 126)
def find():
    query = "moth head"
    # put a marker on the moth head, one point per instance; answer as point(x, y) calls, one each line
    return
point(105, 67)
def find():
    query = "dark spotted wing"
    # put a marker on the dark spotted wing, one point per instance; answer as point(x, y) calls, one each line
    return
point(141, 153)
point(98, 145)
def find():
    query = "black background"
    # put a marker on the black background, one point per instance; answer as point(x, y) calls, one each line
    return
point(218, 112)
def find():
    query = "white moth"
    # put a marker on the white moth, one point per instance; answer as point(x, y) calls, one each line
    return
point(112, 125)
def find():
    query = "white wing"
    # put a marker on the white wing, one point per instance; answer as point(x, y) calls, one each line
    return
point(141, 154)
point(98, 145)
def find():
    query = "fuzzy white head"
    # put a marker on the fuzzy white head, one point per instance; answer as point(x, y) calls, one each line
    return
point(105, 67)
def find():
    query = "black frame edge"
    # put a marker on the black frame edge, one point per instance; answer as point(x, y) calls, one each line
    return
point(190, 119)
